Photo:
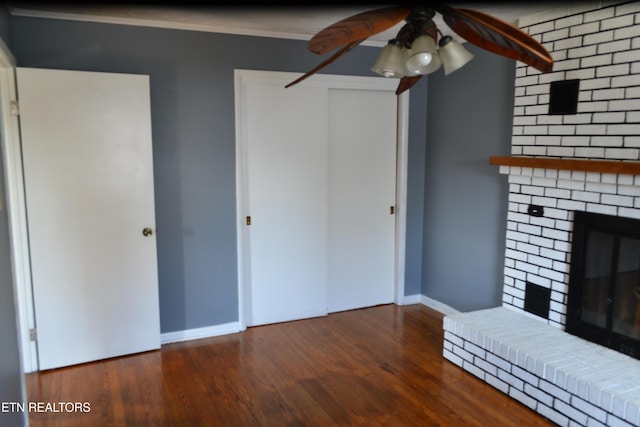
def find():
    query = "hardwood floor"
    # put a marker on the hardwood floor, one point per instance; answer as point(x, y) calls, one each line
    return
point(380, 366)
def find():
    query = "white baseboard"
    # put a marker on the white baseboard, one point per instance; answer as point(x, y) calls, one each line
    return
point(429, 302)
point(438, 306)
point(198, 333)
point(411, 299)
point(233, 327)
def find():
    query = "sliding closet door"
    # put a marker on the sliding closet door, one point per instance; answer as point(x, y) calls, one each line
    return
point(287, 194)
point(362, 173)
point(317, 185)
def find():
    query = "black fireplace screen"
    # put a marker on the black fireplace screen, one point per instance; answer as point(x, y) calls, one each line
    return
point(604, 283)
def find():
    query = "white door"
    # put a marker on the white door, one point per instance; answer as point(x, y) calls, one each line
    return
point(86, 140)
point(287, 157)
point(319, 180)
point(362, 174)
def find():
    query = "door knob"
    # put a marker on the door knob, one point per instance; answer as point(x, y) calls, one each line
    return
point(147, 232)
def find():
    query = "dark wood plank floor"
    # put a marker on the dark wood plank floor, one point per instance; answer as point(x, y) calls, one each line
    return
point(379, 366)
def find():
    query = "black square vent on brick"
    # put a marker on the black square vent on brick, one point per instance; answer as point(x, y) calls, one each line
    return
point(537, 300)
point(563, 97)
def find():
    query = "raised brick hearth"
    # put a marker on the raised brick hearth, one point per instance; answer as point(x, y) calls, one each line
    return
point(562, 377)
point(569, 380)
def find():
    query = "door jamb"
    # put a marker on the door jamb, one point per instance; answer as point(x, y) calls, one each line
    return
point(16, 208)
point(402, 163)
point(402, 142)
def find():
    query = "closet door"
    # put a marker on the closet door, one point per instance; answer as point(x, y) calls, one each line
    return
point(287, 193)
point(362, 174)
point(318, 182)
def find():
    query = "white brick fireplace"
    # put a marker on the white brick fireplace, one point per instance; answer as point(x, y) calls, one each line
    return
point(601, 48)
point(597, 43)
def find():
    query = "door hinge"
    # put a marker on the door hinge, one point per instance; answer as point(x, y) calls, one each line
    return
point(248, 220)
point(33, 334)
point(15, 108)
point(392, 210)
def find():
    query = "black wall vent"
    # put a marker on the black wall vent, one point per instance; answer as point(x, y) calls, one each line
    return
point(563, 97)
point(537, 300)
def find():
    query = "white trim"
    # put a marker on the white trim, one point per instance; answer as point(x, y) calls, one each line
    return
point(7, 60)
point(16, 210)
point(242, 77)
point(173, 25)
point(411, 299)
point(333, 81)
point(10, 141)
point(438, 306)
point(235, 327)
point(199, 333)
point(402, 161)
point(242, 200)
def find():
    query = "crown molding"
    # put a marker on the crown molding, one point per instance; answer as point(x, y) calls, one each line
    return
point(167, 24)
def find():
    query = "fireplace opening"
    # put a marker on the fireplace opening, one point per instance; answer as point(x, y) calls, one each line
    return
point(604, 284)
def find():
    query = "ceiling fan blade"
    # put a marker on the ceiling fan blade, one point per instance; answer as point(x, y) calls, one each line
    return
point(357, 27)
point(328, 61)
point(496, 36)
point(407, 83)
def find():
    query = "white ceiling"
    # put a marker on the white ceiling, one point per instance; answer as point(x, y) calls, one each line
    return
point(282, 22)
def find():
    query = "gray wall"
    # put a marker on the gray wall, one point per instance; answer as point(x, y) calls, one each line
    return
point(11, 379)
point(469, 119)
point(192, 103)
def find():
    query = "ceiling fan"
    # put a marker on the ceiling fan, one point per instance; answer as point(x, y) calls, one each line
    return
point(413, 52)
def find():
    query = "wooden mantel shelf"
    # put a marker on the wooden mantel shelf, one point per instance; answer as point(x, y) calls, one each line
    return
point(603, 166)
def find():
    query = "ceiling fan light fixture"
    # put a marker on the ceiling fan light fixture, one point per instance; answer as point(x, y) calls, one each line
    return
point(435, 65)
point(414, 66)
point(391, 61)
point(483, 30)
point(423, 50)
point(453, 55)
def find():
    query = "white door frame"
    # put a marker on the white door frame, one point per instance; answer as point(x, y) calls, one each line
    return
point(347, 82)
point(14, 186)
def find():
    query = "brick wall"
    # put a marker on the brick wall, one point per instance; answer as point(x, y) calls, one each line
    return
point(600, 46)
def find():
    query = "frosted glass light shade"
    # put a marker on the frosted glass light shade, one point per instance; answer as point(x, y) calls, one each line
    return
point(390, 63)
point(423, 57)
point(453, 55)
